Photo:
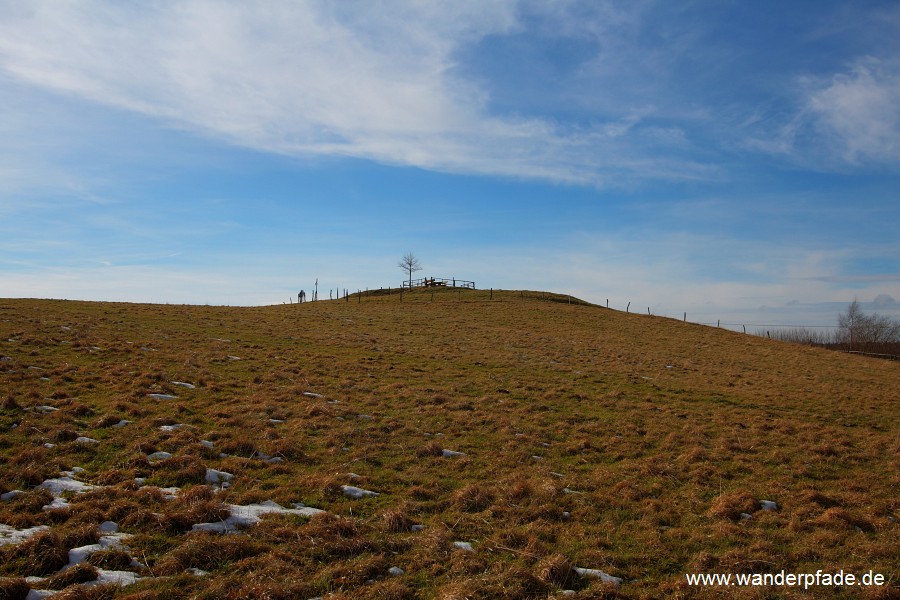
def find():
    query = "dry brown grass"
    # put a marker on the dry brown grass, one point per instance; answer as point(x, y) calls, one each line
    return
point(592, 438)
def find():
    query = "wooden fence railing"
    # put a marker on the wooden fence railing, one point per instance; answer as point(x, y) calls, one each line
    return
point(438, 282)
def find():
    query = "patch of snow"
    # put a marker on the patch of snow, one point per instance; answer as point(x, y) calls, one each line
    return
point(416, 527)
point(170, 493)
point(206, 443)
point(121, 578)
point(108, 527)
point(357, 493)
point(122, 423)
point(183, 384)
point(49, 445)
point(159, 456)
point(313, 395)
point(451, 453)
point(45, 408)
point(745, 516)
point(58, 503)
point(466, 546)
point(396, 571)
point(249, 515)
point(221, 477)
point(11, 494)
point(197, 572)
point(171, 427)
point(58, 485)
point(106, 542)
point(11, 535)
point(233, 357)
point(598, 574)
point(276, 421)
point(39, 594)
point(365, 417)
point(768, 505)
point(86, 440)
point(556, 474)
point(162, 396)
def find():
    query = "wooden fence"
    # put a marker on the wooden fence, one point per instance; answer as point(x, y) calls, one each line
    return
point(438, 282)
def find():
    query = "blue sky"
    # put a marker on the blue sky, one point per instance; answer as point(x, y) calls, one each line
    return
point(732, 160)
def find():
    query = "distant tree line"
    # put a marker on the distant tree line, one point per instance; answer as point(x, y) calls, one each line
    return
point(856, 331)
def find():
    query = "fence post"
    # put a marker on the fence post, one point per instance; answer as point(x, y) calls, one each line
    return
point(648, 311)
point(628, 307)
point(718, 322)
point(685, 317)
point(492, 293)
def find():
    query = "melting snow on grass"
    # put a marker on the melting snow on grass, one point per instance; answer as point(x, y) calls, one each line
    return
point(112, 540)
point(218, 477)
point(357, 493)
point(248, 515)
point(598, 574)
point(11, 535)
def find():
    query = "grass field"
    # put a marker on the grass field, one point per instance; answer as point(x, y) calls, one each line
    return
point(629, 444)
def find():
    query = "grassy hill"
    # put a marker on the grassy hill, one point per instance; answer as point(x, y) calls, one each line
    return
point(634, 445)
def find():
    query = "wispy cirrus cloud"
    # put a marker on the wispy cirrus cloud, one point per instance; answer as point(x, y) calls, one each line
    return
point(375, 82)
point(859, 111)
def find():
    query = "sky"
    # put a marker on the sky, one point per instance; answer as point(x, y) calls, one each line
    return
point(735, 161)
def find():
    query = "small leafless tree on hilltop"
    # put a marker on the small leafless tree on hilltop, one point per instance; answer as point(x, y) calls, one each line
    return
point(410, 264)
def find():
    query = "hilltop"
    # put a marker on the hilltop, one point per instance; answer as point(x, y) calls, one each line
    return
point(507, 438)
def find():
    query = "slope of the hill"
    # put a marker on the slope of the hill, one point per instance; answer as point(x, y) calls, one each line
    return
point(546, 435)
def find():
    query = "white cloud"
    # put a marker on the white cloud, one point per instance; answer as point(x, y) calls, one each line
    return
point(860, 111)
point(375, 81)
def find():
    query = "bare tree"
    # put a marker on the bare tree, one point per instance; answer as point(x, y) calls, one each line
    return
point(859, 330)
point(410, 264)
